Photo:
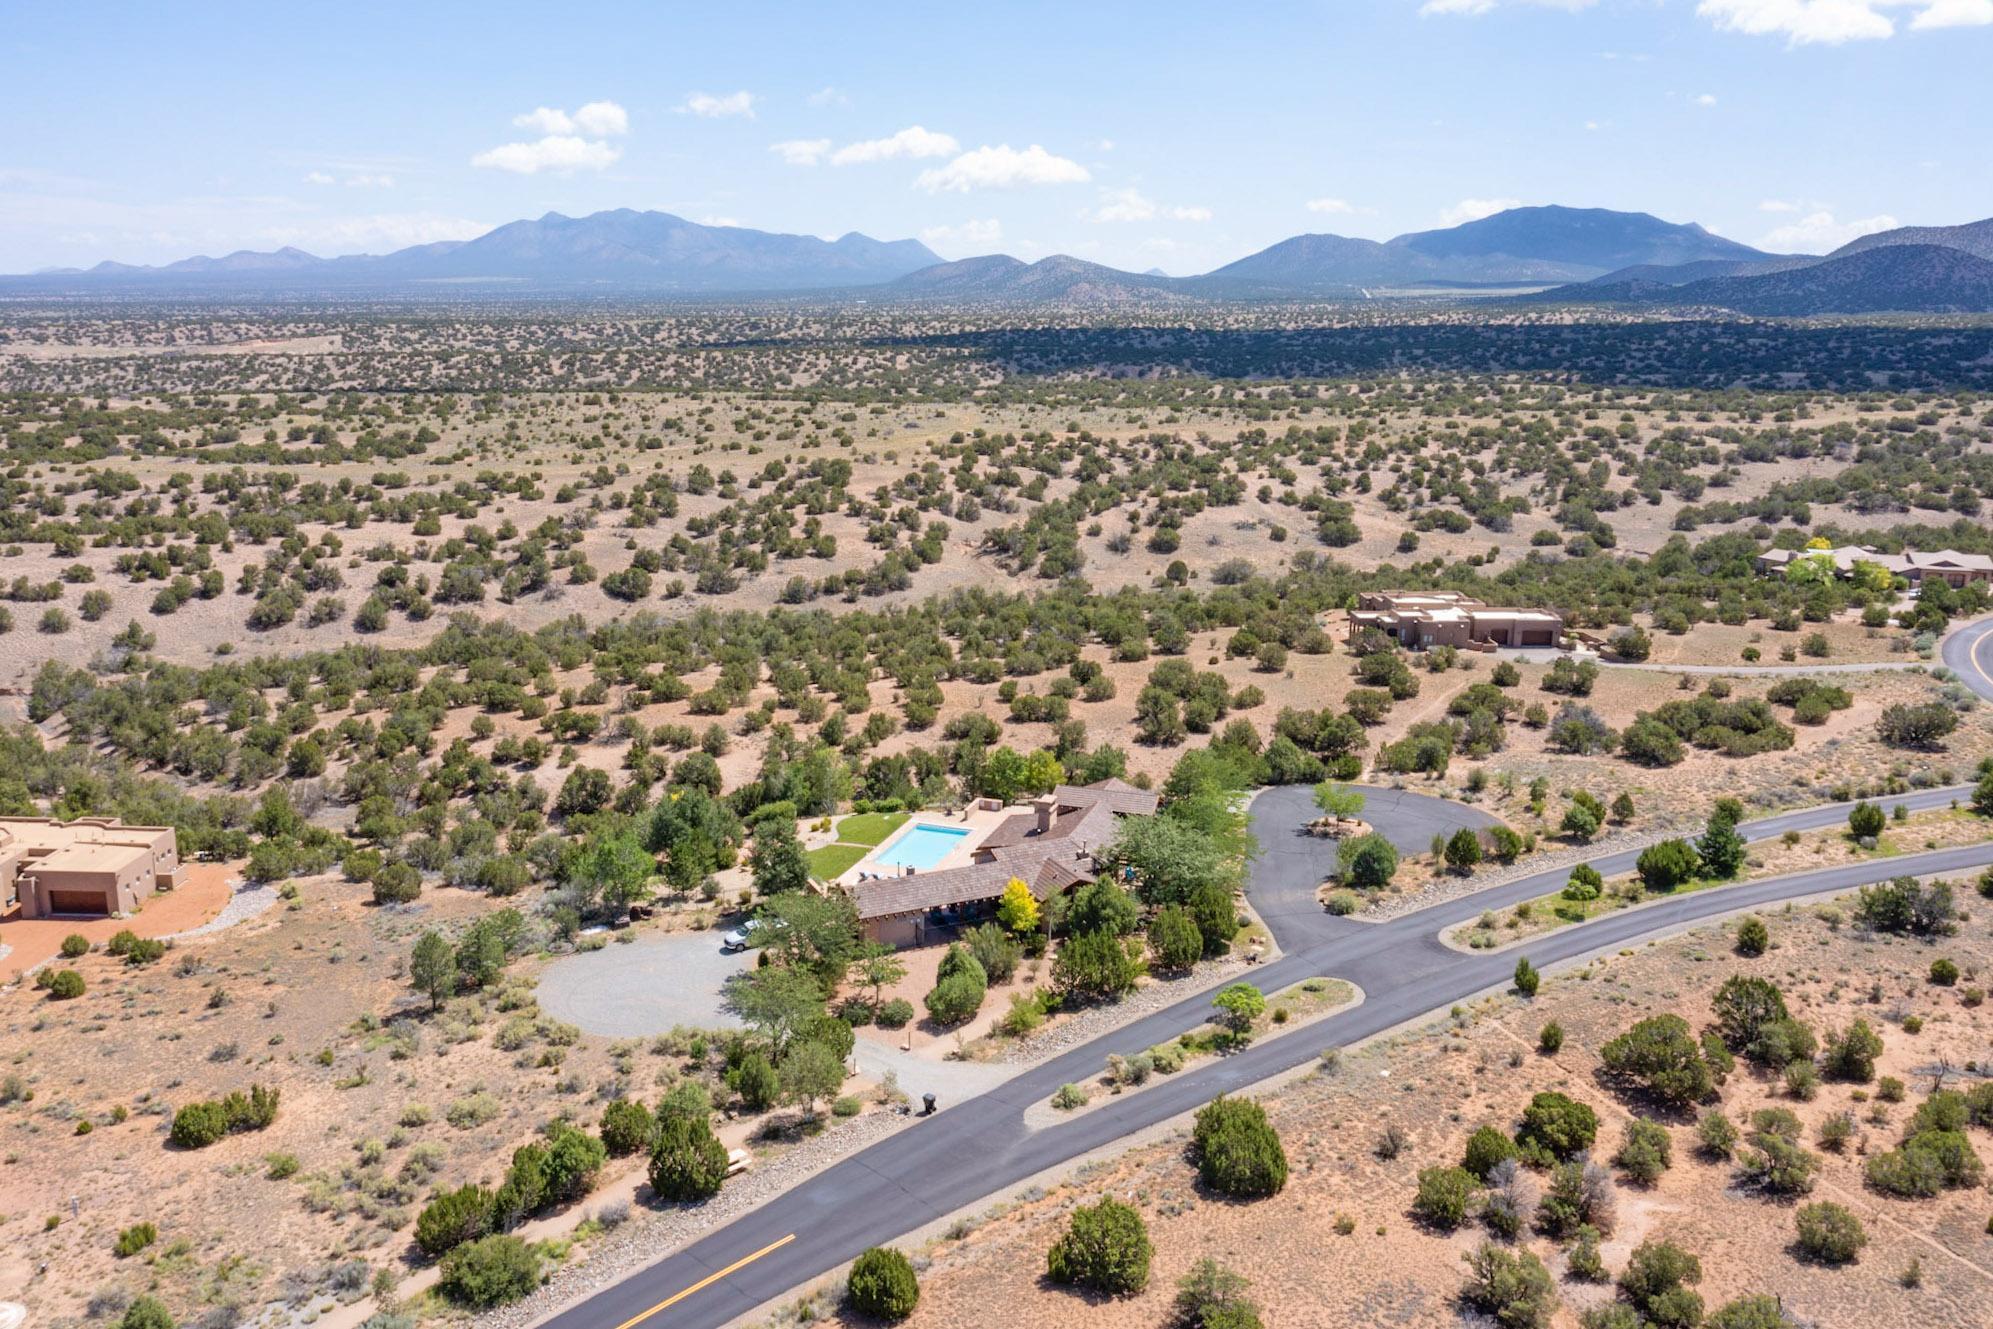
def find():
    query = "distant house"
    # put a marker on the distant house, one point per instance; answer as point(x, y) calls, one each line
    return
point(1419, 620)
point(1050, 847)
point(92, 866)
point(1946, 565)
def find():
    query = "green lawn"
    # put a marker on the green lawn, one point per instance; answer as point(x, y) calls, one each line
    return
point(834, 860)
point(869, 828)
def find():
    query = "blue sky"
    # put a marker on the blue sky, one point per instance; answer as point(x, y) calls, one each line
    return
point(1142, 135)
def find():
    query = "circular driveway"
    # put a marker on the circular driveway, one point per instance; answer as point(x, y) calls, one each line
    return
point(645, 987)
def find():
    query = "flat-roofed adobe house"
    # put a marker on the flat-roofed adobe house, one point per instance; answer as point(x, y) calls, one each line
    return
point(93, 866)
point(1420, 620)
point(1050, 847)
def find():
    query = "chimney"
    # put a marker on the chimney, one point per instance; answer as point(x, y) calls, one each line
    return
point(1047, 808)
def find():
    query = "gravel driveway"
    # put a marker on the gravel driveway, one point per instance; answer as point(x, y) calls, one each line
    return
point(643, 988)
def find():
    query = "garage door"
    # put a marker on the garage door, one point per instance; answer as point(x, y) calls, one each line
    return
point(77, 902)
point(1539, 637)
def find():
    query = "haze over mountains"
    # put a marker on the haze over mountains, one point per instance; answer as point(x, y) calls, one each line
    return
point(1581, 255)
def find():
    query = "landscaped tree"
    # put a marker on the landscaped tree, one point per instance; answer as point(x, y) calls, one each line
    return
point(878, 966)
point(1101, 906)
point(490, 1272)
point(1174, 941)
point(432, 969)
point(453, 1218)
point(687, 1161)
point(882, 1284)
point(776, 1000)
point(1238, 1152)
point(1660, 1057)
point(1216, 918)
point(777, 859)
point(1866, 821)
point(1339, 800)
point(1239, 1004)
point(626, 1127)
point(1017, 909)
point(1463, 851)
point(1104, 1249)
point(1721, 848)
point(959, 988)
point(1169, 857)
point(1094, 966)
point(1664, 866)
point(809, 1072)
point(756, 1082)
point(818, 933)
point(1367, 862)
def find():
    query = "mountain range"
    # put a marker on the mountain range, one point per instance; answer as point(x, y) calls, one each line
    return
point(1567, 255)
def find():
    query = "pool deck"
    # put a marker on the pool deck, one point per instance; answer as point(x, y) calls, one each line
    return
point(976, 821)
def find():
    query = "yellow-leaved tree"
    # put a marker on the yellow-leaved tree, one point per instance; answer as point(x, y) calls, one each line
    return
point(1017, 910)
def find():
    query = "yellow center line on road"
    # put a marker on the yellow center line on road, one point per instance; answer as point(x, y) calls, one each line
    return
point(705, 1282)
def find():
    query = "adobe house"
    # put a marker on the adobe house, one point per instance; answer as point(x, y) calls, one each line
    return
point(93, 866)
point(1049, 847)
point(1420, 620)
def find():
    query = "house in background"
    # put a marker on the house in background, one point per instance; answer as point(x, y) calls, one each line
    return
point(1050, 848)
point(1419, 620)
point(92, 866)
point(1947, 565)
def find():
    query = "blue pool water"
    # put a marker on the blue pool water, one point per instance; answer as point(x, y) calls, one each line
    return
point(920, 847)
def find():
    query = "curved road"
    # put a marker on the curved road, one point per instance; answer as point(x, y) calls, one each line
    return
point(1968, 652)
point(936, 1166)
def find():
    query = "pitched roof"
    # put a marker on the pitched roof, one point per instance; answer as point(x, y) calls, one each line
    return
point(1043, 868)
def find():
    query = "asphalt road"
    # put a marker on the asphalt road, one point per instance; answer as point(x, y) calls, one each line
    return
point(969, 1150)
point(1968, 651)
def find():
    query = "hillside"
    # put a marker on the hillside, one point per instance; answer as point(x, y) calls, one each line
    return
point(1975, 238)
point(1922, 279)
point(1059, 278)
point(624, 249)
point(1597, 238)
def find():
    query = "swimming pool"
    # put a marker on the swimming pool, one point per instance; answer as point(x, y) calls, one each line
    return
point(920, 847)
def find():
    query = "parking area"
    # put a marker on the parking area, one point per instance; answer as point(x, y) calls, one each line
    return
point(646, 987)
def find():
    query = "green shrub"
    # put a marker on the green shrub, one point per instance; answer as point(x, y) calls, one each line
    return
point(491, 1271)
point(882, 1284)
point(1830, 1233)
point(1753, 937)
point(687, 1161)
point(75, 945)
point(1550, 1039)
point(135, 1239)
point(1556, 1127)
point(1443, 1197)
point(198, 1125)
point(65, 985)
point(1667, 865)
point(1659, 1056)
point(1657, 1281)
point(1944, 973)
point(1211, 1296)
point(1104, 1249)
point(453, 1218)
point(1645, 1152)
point(894, 1014)
point(1238, 1152)
point(626, 1127)
point(1486, 1147)
point(757, 1083)
point(146, 1312)
point(1527, 980)
point(1510, 1286)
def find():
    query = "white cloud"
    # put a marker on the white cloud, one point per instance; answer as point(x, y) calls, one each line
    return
point(555, 152)
point(711, 220)
point(1817, 232)
point(318, 178)
point(1706, 99)
point(801, 151)
point(828, 96)
point(1474, 209)
point(1130, 205)
point(970, 237)
point(1832, 22)
point(1002, 167)
point(1777, 205)
point(1334, 207)
point(913, 141)
point(709, 107)
point(369, 180)
point(595, 120)
point(569, 141)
